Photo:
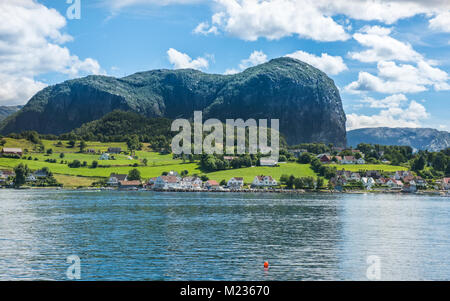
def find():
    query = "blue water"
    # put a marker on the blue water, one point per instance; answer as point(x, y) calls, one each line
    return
point(222, 236)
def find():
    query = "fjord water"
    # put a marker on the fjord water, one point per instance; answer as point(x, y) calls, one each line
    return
point(222, 236)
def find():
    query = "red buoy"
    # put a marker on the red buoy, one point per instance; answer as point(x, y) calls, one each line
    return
point(266, 265)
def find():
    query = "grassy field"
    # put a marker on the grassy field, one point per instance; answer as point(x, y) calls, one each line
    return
point(156, 164)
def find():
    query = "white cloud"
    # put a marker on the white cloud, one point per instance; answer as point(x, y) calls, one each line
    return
point(395, 116)
point(329, 64)
point(382, 47)
point(313, 19)
point(30, 45)
point(183, 61)
point(205, 29)
point(441, 22)
point(393, 78)
point(117, 5)
point(390, 101)
point(255, 58)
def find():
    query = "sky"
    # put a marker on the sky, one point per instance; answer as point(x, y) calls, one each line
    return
point(389, 59)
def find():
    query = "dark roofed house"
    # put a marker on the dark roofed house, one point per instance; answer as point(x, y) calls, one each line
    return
point(114, 179)
point(114, 150)
point(12, 151)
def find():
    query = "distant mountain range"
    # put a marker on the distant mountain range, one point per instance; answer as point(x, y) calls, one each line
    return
point(6, 111)
point(303, 98)
point(417, 138)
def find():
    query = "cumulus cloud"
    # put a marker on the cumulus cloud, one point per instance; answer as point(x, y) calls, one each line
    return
point(382, 47)
point(117, 5)
point(181, 60)
point(441, 22)
point(390, 101)
point(255, 58)
point(395, 116)
point(329, 64)
point(403, 78)
point(313, 19)
point(31, 45)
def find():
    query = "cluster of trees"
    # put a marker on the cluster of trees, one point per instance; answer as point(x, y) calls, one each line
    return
point(217, 162)
point(302, 182)
point(393, 153)
point(22, 171)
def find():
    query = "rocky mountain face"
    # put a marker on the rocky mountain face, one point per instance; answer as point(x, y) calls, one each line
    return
point(303, 98)
point(6, 111)
point(417, 138)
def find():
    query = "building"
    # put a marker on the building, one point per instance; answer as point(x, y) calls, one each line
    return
point(236, 182)
point(348, 160)
point(324, 158)
point(394, 184)
point(41, 174)
point(373, 173)
point(399, 175)
point(267, 162)
point(368, 182)
point(167, 182)
point(446, 183)
point(411, 188)
point(360, 161)
point(114, 150)
point(191, 183)
point(12, 152)
point(212, 184)
point(264, 181)
point(30, 178)
point(115, 179)
point(129, 185)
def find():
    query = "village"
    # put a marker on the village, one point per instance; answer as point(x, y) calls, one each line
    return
point(343, 180)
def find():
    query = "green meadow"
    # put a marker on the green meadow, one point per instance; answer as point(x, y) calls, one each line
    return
point(156, 164)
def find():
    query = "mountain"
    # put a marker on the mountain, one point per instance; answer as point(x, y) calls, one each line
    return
point(303, 98)
point(417, 138)
point(6, 111)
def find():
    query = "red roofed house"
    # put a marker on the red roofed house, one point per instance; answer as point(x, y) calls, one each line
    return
point(12, 151)
point(211, 184)
point(446, 183)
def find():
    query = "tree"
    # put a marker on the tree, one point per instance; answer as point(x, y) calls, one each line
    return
point(319, 182)
point(133, 143)
point(94, 164)
point(304, 158)
point(49, 151)
point(75, 164)
point(145, 161)
point(2, 142)
point(21, 172)
point(418, 163)
point(134, 175)
point(82, 146)
point(204, 178)
point(61, 155)
point(223, 183)
point(72, 143)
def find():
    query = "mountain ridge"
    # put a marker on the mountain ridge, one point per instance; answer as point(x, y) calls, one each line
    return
point(303, 98)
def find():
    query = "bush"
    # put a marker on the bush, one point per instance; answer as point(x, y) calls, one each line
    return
point(75, 164)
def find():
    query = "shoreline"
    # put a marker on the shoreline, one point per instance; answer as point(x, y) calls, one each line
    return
point(249, 191)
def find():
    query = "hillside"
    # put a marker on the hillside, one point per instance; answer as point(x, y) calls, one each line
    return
point(6, 111)
point(303, 98)
point(417, 138)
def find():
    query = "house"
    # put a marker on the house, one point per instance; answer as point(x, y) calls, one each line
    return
point(267, 162)
point(104, 156)
point(264, 181)
point(130, 185)
point(211, 184)
point(236, 182)
point(360, 161)
point(368, 182)
point(348, 160)
point(115, 179)
point(297, 152)
point(191, 183)
point(41, 174)
point(373, 173)
point(229, 158)
point(12, 151)
point(394, 184)
point(167, 182)
point(151, 181)
point(114, 150)
point(30, 178)
point(338, 159)
point(381, 181)
point(355, 176)
point(446, 183)
point(324, 158)
point(5, 174)
point(399, 175)
point(420, 182)
point(344, 173)
point(411, 188)
point(173, 174)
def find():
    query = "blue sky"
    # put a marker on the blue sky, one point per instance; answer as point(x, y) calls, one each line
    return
point(388, 58)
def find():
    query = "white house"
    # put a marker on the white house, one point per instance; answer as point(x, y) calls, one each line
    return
point(236, 182)
point(104, 156)
point(167, 182)
point(267, 162)
point(355, 176)
point(348, 160)
point(360, 161)
point(30, 178)
point(264, 181)
point(114, 179)
point(401, 174)
point(191, 183)
point(392, 183)
point(368, 182)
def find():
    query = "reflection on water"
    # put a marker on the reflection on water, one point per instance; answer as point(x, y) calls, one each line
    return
point(200, 236)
